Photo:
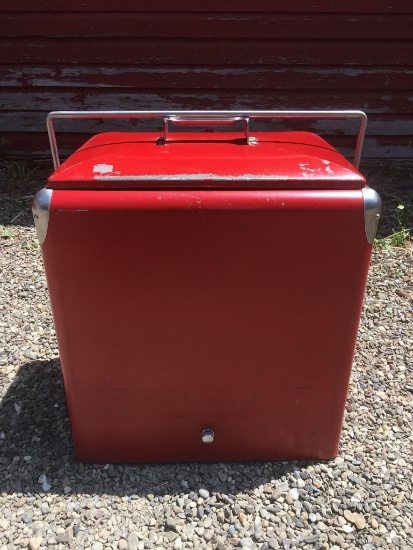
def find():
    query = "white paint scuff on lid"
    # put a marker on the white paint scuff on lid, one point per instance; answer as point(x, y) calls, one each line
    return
point(102, 168)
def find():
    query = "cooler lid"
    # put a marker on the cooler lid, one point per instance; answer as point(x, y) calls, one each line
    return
point(271, 160)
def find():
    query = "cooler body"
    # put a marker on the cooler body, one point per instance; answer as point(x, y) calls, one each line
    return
point(206, 317)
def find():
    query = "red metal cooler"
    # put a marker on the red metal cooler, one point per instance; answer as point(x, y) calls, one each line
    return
point(206, 287)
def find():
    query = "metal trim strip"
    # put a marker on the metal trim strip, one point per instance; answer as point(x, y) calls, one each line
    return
point(41, 210)
point(372, 210)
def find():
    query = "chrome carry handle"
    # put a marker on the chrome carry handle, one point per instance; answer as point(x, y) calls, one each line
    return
point(207, 118)
point(216, 121)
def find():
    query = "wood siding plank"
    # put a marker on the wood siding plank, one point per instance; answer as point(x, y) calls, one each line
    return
point(200, 77)
point(18, 102)
point(206, 52)
point(261, 6)
point(206, 25)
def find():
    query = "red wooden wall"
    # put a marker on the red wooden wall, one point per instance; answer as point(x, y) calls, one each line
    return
point(181, 54)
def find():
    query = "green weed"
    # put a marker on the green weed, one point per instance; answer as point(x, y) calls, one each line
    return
point(5, 233)
point(401, 234)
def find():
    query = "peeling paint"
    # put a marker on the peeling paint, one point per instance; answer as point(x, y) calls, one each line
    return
point(102, 168)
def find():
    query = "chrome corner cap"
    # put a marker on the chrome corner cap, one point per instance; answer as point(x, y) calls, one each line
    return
point(372, 209)
point(41, 209)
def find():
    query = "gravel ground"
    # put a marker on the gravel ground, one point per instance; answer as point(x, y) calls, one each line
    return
point(362, 499)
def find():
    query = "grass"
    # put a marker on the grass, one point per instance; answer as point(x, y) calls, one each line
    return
point(393, 180)
point(400, 239)
point(19, 182)
point(401, 235)
point(16, 172)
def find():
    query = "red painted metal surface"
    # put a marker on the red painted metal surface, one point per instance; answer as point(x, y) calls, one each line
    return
point(284, 160)
point(232, 309)
point(177, 55)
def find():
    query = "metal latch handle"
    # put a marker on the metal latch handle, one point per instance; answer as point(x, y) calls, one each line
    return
point(218, 121)
point(207, 117)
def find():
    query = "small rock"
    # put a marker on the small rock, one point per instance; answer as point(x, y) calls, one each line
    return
point(356, 519)
point(207, 522)
point(170, 535)
point(170, 524)
point(232, 530)
point(341, 521)
point(294, 494)
point(122, 544)
point(311, 539)
point(208, 534)
point(189, 530)
point(27, 517)
point(133, 541)
point(273, 543)
point(280, 488)
point(203, 493)
point(19, 503)
point(46, 486)
point(374, 523)
point(97, 546)
point(34, 543)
